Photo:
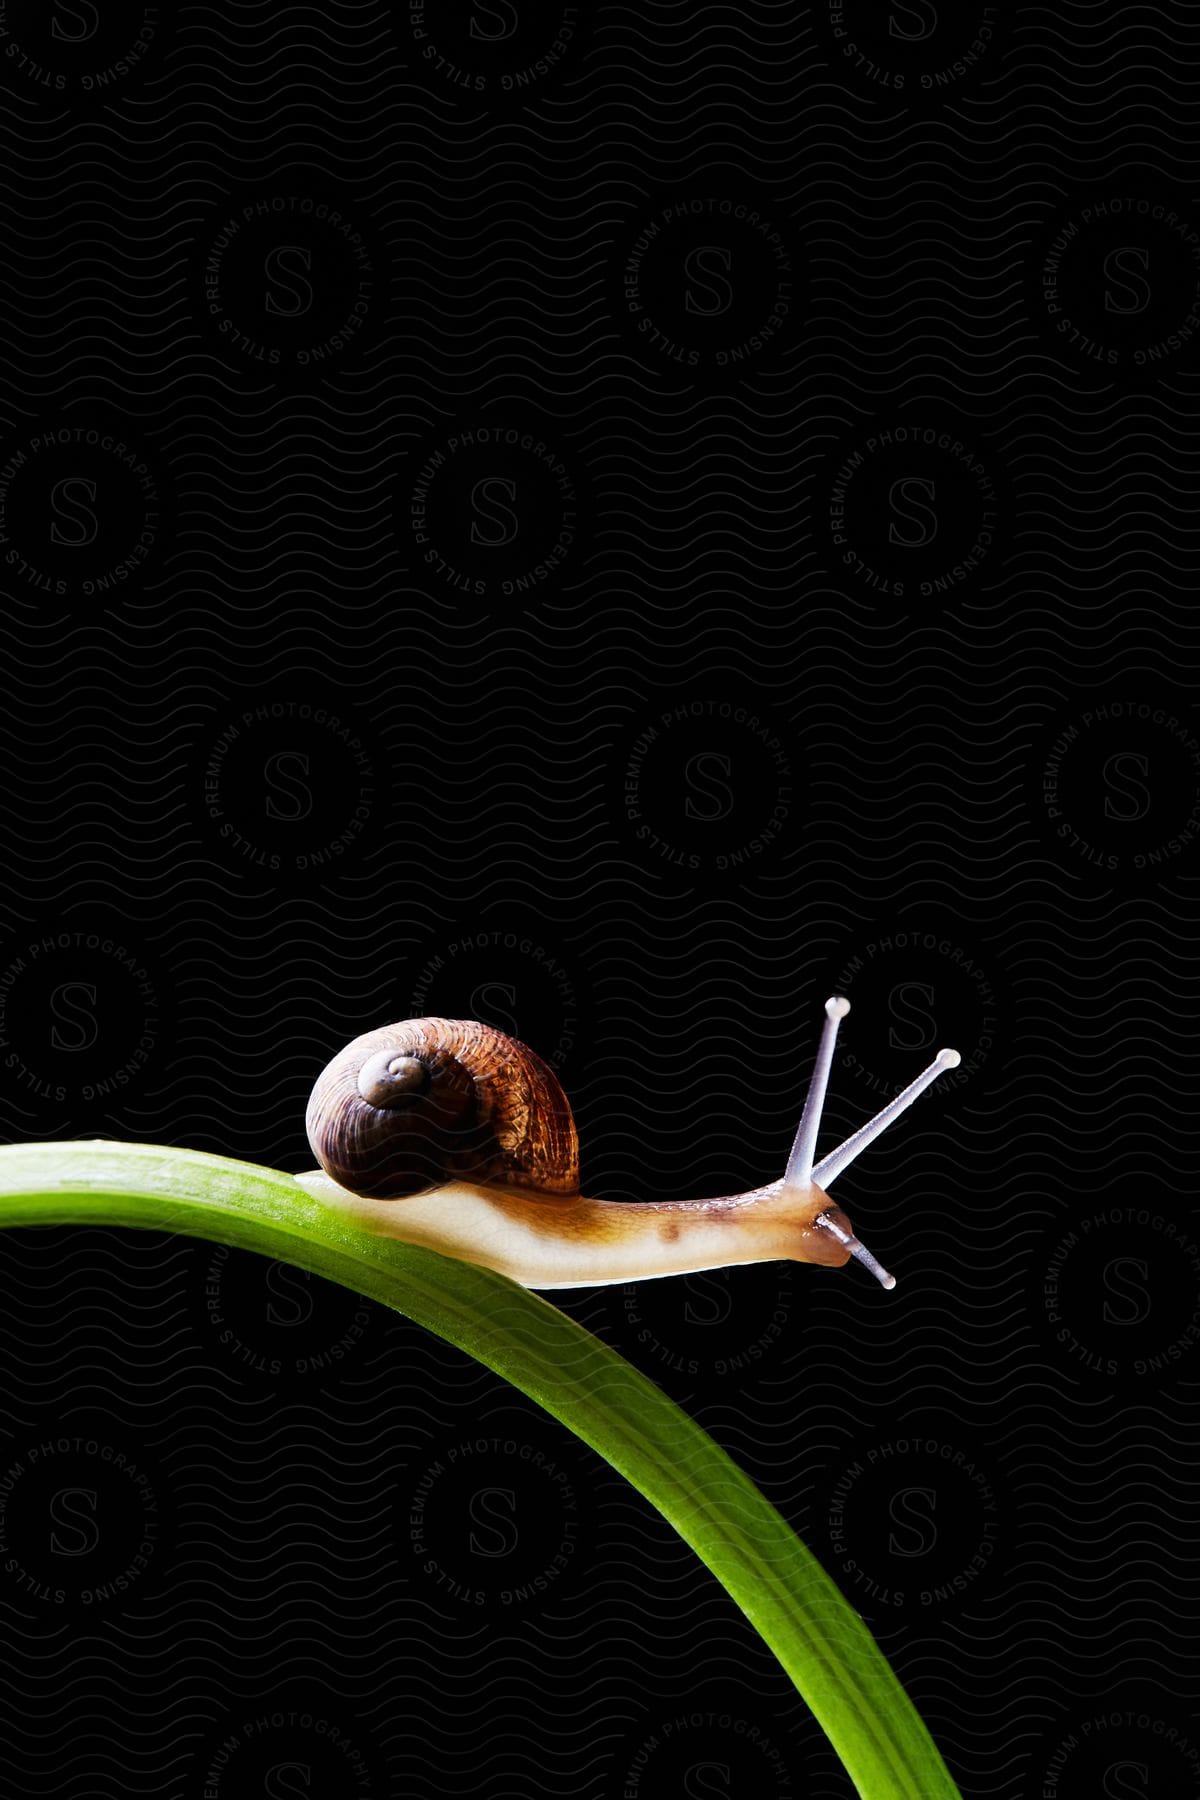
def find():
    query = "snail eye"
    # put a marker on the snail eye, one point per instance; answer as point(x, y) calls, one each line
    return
point(390, 1079)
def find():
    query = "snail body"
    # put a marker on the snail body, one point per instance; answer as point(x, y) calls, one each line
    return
point(449, 1134)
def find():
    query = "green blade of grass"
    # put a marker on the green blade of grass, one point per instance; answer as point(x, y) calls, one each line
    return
point(816, 1634)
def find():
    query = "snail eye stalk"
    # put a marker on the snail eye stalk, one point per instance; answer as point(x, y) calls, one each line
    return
point(800, 1171)
point(838, 1159)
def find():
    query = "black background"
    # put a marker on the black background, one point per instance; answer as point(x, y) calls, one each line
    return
point(848, 646)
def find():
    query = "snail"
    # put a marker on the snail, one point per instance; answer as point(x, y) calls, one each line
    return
point(449, 1134)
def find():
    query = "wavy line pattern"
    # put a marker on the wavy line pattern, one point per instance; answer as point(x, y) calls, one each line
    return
point(618, 522)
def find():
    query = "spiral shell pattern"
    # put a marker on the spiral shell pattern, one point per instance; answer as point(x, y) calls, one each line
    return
point(429, 1102)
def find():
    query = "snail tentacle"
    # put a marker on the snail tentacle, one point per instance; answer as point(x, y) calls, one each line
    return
point(800, 1162)
point(838, 1159)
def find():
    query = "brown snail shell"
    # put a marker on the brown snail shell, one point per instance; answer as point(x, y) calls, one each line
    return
point(430, 1102)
